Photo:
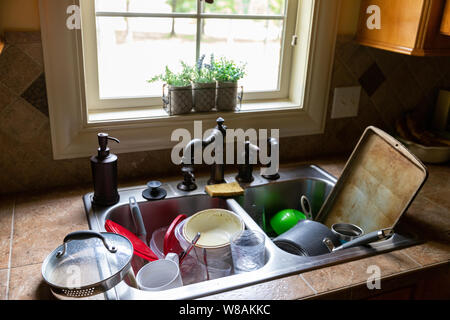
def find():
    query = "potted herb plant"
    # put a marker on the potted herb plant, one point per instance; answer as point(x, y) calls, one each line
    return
point(179, 97)
point(227, 73)
point(204, 85)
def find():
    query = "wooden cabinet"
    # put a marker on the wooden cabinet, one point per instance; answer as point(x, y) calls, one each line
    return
point(445, 25)
point(413, 27)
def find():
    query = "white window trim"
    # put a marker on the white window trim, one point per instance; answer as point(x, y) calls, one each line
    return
point(74, 136)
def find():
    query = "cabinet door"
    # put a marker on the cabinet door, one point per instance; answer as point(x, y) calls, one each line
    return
point(431, 41)
point(445, 25)
point(400, 24)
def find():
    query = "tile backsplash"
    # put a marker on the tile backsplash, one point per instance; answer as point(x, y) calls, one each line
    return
point(392, 85)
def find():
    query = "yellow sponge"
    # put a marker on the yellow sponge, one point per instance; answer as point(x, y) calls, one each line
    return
point(224, 190)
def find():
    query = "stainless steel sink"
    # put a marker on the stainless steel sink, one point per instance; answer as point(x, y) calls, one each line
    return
point(272, 196)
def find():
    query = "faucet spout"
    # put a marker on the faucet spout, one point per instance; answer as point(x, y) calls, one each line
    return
point(190, 151)
point(193, 154)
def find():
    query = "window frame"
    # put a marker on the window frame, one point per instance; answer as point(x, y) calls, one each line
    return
point(74, 133)
point(89, 38)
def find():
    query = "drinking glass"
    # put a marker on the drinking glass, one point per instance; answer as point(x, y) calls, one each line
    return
point(248, 250)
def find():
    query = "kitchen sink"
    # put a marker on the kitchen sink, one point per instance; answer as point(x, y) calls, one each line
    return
point(262, 199)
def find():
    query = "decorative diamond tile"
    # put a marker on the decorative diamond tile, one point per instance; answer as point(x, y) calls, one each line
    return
point(372, 79)
point(36, 95)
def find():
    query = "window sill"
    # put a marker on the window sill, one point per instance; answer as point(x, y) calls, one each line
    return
point(138, 115)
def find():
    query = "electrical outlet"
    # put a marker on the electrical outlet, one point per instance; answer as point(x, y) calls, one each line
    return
point(346, 102)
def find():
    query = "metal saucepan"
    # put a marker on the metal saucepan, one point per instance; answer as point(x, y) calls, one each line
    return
point(360, 241)
point(306, 239)
point(312, 238)
point(88, 263)
point(346, 231)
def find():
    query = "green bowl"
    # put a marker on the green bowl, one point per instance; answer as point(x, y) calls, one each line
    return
point(285, 220)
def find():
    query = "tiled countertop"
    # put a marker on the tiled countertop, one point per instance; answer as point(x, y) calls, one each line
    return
point(33, 226)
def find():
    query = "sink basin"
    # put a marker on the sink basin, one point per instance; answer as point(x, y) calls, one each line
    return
point(263, 202)
point(273, 196)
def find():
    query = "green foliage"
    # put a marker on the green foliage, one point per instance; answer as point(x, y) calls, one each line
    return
point(228, 71)
point(224, 70)
point(180, 79)
point(204, 73)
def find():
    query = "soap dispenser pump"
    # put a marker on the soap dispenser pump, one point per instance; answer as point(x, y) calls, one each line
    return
point(104, 173)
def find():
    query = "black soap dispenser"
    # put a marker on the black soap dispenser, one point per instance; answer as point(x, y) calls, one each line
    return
point(104, 173)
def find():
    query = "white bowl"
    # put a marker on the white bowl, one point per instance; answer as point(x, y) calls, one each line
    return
point(216, 227)
point(428, 154)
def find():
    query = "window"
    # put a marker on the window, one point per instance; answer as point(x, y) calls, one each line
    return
point(294, 100)
point(136, 39)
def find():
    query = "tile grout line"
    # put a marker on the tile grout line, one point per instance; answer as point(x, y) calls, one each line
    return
point(307, 283)
point(8, 276)
point(413, 260)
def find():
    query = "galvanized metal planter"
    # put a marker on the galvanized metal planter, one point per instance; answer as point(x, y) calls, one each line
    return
point(228, 97)
point(204, 96)
point(178, 99)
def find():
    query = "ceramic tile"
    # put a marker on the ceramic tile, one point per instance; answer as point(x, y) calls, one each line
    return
point(438, 180)
point(33, 50)
point(429, 253)
point(6, 97)
point(288, 288)
point(3, 283)
point(342, 77)
point(405, 87)
point(6, 212)
point(360, 61)
point(430, 219)
point(22, 37)
point(441, 198)
point(41, 225)
point(345, 48)
point(351, 273)
point(26, 283)
point(387, 61)
point(21, 121)
point(424, 71)
point(17, 70)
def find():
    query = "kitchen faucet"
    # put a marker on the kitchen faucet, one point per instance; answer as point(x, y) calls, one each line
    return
point(245, 169)
point(217, 169)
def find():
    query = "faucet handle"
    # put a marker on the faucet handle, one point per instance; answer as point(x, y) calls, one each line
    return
point(188, 183)
point(220, 125)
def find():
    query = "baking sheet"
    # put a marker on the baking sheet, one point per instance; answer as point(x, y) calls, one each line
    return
point(378, 184)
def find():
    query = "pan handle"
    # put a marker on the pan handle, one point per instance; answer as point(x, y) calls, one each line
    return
point(366, 239)
point(83, 235)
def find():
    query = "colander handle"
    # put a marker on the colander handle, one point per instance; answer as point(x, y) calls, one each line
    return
point(83, 235)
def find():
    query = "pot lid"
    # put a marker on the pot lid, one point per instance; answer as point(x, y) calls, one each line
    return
point(87, 258)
